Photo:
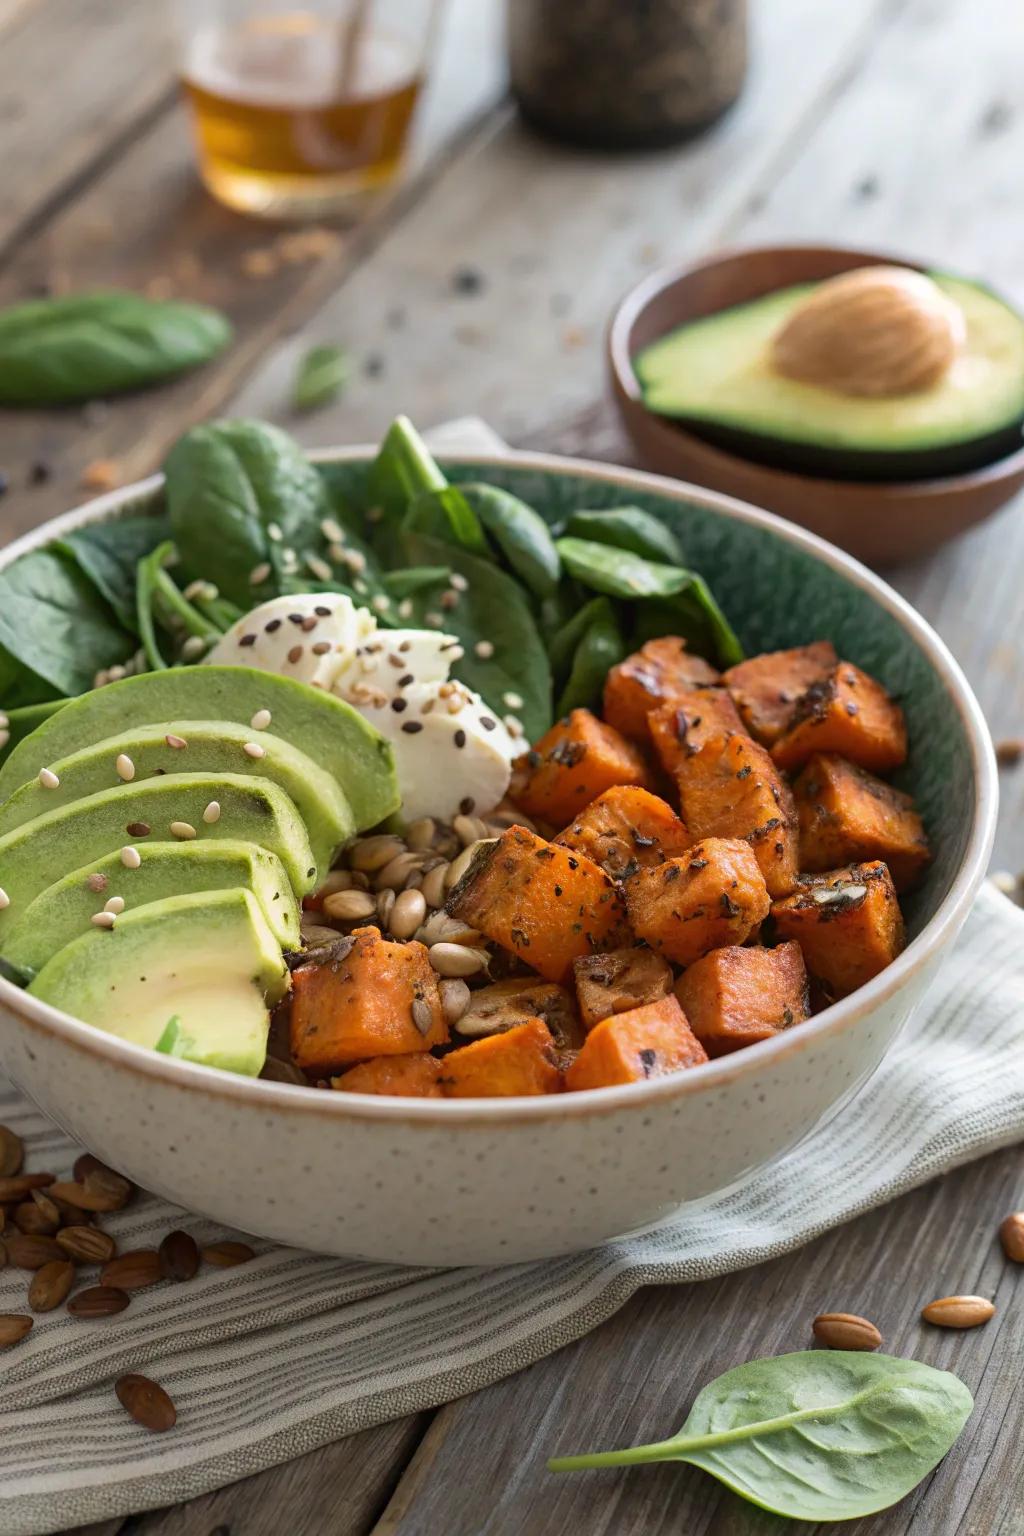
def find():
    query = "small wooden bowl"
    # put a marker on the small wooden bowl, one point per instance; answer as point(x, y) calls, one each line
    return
point(880, 523)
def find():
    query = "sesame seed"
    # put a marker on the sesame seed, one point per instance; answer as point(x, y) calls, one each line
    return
point(4, 721)
point(427, 706)
point(182, 830)
point(405, 680)
point(138, 829)
point(261, 719)
point(48, 779)
point(332, 531)
point(322, 612)
point(398, 705)
point(395, 661)
point(274, 532)
point(514, 725)
point(212, 813)
point(194, 647)
point(458, 581)
point(295, 654)
point(296, 619)
point(247, 640)
point(449, 600)
point(5, 900)
point(131, 858)
point(405, 646)
point(115, 674)
point(115, 905)
point(487, 723)
point(5, 737)
point(319, 568)
point(309, 623)
point(456, 653)
point(101, 679)
point(359, 585)
point(512, 700)
point(354, 559)
point(125, 767)
point(103, 919)
point(259, 573)
point(405, 608)
point(337, 553)
point(178, 743)
point(97, 883)
point(455, 704)
point(412, 726)
point(253, 749)
point(194, 589)
point(272, 626)
point(484, 649)
point(433, 620)
point(460, 737)
point(381, 603)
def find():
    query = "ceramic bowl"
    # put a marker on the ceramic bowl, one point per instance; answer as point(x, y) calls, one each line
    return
point(499, 1181)
point(881, 523)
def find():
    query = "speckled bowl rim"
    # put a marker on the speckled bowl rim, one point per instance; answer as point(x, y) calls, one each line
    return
point(432, 1113)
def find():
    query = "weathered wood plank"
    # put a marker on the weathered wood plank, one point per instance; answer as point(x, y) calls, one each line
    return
point(480, 1469)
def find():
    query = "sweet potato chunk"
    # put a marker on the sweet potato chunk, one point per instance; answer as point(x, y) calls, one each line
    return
point(766, 688)
point(518, 1061)
point(682, 726)
point(626, 829)
point(651, 676)
point(734, 997)
point(618, 982)
point(544, 903)
point(364, 997)
point(849, 713)
point(407, 1077)
point(712, 896)
point(731, 788)
point(848, 924)
point(848, 816)
point(630, 1047)
point(577, 760)
point(505, 1004)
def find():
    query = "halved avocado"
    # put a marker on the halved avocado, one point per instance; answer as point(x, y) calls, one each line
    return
point(65, 909)
point(714, 375)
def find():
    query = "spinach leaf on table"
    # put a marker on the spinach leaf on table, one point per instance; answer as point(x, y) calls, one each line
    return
point(85, 346)
point(239, 494)
point(322, 375)
point(109, 553)
point(818, 1435)
point(56, 628)
point(629, 528)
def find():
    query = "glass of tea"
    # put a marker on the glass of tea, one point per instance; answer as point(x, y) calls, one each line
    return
point(304, 113)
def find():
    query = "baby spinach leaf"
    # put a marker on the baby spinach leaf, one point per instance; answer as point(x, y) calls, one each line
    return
point(818, 1435)
point(108, 553)
point(239, 494)
point(56, 626)
point(322, 375)
point(628, 528)
point(414, 578)
point(493, 608)
point(521, 536)
point(83, 346)
point(404, 467)
point(600, 649)
point(564, 642)
point(445, 514)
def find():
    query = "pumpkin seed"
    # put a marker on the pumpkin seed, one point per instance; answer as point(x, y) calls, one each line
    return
point(147, 1403)
point(422, 1016)
point(385, 903)
point(50, 1285)
point(12, 1152)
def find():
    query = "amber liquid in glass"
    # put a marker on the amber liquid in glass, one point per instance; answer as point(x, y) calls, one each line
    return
point(297, 115)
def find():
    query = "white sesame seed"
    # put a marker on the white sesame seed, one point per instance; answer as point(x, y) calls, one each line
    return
point(253, 749)
point(5, 900)
point(405, 608)
point(381, 603)
point(182, 830)
point(4, 721)
point(103, 919)
point(456, 654)
point(332, 531)
point(194, 646)
point(458, 581)
point(131, 858)
point(455, 704)
point(48, 779)
point(514, 725)
point(484, 649)
point(5, 737)
point(101, 679)
point(354, 559)
point(512, 700)
point(115, 905)
point(261, 719)
point(178, 743)
point(115, 674)
point(360, 586)
point(212, 813)
point(259, 573)
point(125, 767)
point(274, 532)
point(434, 620)
point(318, 568)
point(336, 552)
point(194, 589)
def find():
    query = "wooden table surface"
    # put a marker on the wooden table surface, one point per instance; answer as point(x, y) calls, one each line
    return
point(896, 123)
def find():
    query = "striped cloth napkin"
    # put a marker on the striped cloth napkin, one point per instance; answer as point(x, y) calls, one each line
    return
point(288, 1352)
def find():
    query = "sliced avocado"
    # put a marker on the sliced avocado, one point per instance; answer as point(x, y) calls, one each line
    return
point(65, 909)
point(209, 747)
point(714, 375)
point(207, 959)
point(22, 722)
point(35, 855)
point(332, 732)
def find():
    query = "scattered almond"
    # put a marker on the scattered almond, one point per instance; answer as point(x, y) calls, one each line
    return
point(179, 1256)
point(101, 475)
point(1011, 1235)
point(98, 1301)
point(28, 1217)
point(147, 1402)
point(13, 1329)
point(30, 1250)
point(51, 1285)
point(20, 1186)
point(845, 1330)
point(132, 1271)
point(87, 1245)
point(958, 1311)
point(100, 1190)
point(1009, 753)
point(225, 1255)
point(12, 1152)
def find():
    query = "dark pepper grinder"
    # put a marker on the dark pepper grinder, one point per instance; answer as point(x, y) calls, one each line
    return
point(626, 74)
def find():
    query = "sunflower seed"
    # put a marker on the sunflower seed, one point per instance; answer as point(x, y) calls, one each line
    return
point(456, 959)
point(420, 834)
point(433, 887)
point(407, 913)
point(395, 873)
point(455, 996)
point(349, 906)
point(372, 853)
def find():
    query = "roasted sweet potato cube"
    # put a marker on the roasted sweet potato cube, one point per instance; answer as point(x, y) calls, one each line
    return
point(406, 1077)
point(847, 816)
point(712, 896)
point(766, 688)
point(516, 1062)
point(651, 676)
point(847, 923)
point(737, 996)
point(504, 1004)
point(362, 997)
point(626, 829)
point(731, 788)
point(849, 713)
point(546, 904)
point(631, 1047)
point(682, 726)
point(618, 982)
point(577, 760)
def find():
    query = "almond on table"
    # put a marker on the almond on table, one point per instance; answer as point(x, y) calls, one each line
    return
point(766, 688)
point(631, 1047)
point(846, 816)
point(656, 673)
point(626, 829)
point(848, 925)
point(731, 788)
point(736, 996)
point(849, 713)
point(573, 763)
point(713, 895)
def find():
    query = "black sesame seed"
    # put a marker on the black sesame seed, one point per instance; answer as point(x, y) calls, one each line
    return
point(138, 829)
point(487, 723)
point(272, 627)
point(403, 682)
point(40, 472)
point(460, 738)
point(247, 640)
point(296, 618)
point(406, 645)
point(412, 726)
point(323, 613)
point(398, 705)
point(467, 280)
point(467, 806)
